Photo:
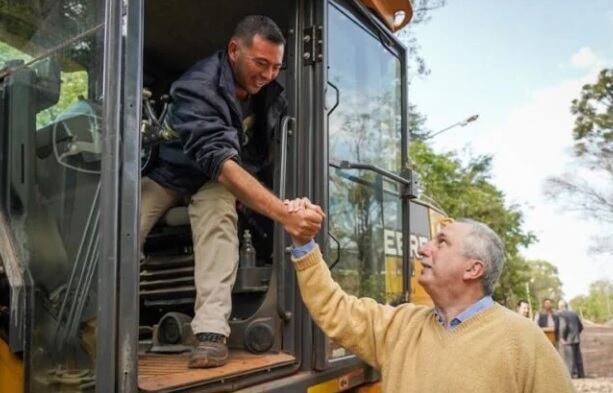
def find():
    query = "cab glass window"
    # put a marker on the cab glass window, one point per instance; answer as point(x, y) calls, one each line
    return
point(364, 106)
point(50, 140)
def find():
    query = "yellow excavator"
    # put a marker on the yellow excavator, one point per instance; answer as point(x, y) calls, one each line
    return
point(83, 88)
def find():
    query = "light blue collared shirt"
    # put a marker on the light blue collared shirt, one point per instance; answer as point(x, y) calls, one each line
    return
point(300, 251)
point(471, 311)
point(484, 303)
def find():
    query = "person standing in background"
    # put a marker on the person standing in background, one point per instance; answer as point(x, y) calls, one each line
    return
point(546, 318)
point(570, 340)
point(523, 308)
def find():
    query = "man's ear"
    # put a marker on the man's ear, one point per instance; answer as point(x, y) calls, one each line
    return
point(475, 270)
point(233, 48)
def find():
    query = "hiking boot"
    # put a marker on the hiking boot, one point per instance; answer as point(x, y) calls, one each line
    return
point(211, 351)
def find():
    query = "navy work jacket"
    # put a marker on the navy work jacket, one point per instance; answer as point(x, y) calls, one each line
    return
point(206, 115)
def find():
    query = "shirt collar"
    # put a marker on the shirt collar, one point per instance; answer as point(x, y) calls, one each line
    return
point(471, 311)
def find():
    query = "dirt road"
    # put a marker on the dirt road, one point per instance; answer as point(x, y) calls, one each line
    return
point(597, 349)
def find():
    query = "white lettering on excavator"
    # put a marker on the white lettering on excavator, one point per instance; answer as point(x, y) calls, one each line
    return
point(393, 243)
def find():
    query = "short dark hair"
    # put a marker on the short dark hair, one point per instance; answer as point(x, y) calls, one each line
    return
point(519, 303)
point(261, 25)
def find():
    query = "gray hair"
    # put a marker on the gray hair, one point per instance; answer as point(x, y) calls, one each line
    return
point(484, 244)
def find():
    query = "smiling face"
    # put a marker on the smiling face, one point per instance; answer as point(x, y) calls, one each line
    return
point(446, 270)
point(254, 64)
point(523, 309)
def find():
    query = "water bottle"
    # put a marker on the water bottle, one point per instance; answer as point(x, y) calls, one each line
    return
point(247, 252)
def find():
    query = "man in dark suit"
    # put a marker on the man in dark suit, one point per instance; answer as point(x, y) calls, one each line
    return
point(546, 318)
point(570, 341)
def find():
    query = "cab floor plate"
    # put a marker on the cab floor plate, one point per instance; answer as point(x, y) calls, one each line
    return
point(160, 373)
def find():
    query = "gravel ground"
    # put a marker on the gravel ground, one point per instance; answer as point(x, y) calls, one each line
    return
point(597, 350)
point(594, 385)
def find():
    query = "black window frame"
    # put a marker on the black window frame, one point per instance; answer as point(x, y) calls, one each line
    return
point(366, 20)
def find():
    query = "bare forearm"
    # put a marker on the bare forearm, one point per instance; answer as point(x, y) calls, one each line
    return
point(302, 225)
point(250, 192)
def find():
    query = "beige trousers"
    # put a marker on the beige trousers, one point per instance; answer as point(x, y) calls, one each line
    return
point(213, 218)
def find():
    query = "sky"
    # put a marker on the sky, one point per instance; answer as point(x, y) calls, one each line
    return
point(519, 64)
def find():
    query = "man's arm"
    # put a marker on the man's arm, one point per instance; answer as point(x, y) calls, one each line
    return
point(360, 325)
point(202, 120)
point(580, 324)
point(302, 225)
point(563, 329)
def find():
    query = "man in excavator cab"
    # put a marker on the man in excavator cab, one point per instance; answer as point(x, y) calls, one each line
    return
point(224, 110)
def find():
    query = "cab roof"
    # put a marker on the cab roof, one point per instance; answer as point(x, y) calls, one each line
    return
point(396, 14)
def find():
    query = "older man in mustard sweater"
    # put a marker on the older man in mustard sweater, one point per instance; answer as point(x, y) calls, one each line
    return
point(466, 343)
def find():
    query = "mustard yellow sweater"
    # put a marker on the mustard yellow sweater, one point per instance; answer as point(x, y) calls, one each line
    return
point(494, 351)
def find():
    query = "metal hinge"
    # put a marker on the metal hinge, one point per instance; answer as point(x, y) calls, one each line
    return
point(313, 44)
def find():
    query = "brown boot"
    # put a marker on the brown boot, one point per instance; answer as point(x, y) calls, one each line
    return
point(211, 351)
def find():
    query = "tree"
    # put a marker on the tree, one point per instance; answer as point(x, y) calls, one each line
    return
point(417, 121)
point(364, 129)
point(589, 191)
point(29, 28)
point(544, 282)
point(35, 26)
point(593, 131)
point(464, 190)
point(8, 53)
point(513, 282)
point(422, 12)
point(597, 306)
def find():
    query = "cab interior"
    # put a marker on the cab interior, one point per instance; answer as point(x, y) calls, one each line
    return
point(53, 200)
point(176, 35)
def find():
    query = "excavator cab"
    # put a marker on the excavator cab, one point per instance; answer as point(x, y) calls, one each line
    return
point(83, 86)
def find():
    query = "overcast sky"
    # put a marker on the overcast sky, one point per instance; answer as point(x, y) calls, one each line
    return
point(519, 64)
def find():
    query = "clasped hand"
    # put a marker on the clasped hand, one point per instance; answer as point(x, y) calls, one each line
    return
point(303, 220)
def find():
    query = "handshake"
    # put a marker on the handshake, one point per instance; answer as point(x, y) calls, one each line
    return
point(302, 220)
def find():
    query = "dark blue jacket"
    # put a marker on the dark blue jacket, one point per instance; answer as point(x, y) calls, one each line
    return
point(205, 113)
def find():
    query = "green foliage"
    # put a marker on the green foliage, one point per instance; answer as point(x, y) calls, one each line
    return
point(465, 190)
point(593, 134)
point(512, 285)
point(593, 131)
point(16, 22)
point(74, 87)
point(9, 53)
point(532, 280)
point(74, 84)
point(544, 282)
point(597, 306)
point(416, 124)
point(36, 26)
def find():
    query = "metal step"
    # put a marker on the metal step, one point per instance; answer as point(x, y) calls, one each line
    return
point(165, 262)
point(172, 283)
point(150, 275)
point(175, 292)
